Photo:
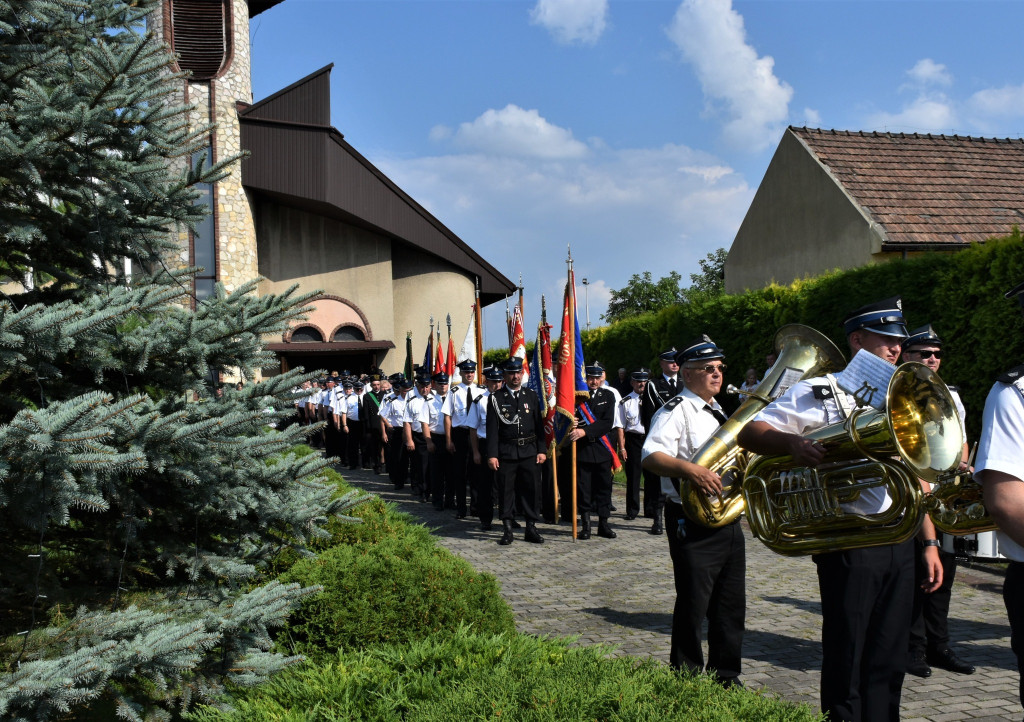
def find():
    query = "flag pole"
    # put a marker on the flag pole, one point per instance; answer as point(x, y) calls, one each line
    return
point(554, 447)
point(572, 325)
point(479, 335)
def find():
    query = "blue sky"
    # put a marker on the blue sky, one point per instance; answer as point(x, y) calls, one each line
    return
point(635, 130)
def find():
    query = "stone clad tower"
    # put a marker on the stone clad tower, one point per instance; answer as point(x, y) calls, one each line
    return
point(211, 41)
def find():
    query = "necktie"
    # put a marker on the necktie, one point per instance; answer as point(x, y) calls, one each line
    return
point(672, 385)
point(719, 416)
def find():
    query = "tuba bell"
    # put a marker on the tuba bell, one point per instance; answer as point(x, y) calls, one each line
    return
point(799, 510)
point(802, 353)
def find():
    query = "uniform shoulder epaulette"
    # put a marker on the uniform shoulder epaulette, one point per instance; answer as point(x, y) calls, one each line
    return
point(1012, 376)
point(954, 389)
point(673, 402)
point(823, 392)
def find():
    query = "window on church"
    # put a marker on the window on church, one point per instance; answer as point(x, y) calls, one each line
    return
point(348, 333)
point(200, 36)
point(204, 237)
point(306, 334)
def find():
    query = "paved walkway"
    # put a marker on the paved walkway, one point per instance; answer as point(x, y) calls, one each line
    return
point(619, 592)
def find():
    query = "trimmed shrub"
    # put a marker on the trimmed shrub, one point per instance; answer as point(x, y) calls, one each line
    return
point(516, 677)
point(395, 586)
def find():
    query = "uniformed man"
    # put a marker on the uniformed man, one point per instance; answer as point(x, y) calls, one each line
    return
point(393, 418)
point(1000, 469)
point(867, 594)
point(635, 433)
point(374, 430)
point(481, 475)
point(418, 442)
point(325, 411)
point(658, 391)
point(352, 422)
point(515, 451)
point(441, 491)
point(929, 629)
point(593, 457)
point(709, 565)
point(456, 433)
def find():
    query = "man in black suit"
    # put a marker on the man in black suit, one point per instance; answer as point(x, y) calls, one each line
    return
point(515, 451)
point(593, 458)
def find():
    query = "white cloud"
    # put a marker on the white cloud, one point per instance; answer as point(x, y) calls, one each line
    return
point(812, 118)
point(922, 115)
point(927, 72)
point(572, 21)
point(743, 86)
point(622, 210)
point(990, 109)
point(516, 132)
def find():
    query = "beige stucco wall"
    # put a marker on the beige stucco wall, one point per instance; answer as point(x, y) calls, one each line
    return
point(801, 223)
point(426, 285)
point(331, 256)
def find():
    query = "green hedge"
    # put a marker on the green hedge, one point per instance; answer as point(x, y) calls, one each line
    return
point(395, 587)
point(464, 676)
point(960, 294)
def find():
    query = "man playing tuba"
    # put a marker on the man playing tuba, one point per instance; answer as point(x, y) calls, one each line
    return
point(866, 594)
point(709, 565)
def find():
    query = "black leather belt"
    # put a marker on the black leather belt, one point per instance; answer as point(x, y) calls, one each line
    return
point(526, 440)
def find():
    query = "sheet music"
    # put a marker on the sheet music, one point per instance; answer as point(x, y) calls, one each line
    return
point(788, 377)
point(867, 377)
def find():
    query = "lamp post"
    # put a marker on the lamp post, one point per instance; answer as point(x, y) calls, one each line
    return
point(586, 295)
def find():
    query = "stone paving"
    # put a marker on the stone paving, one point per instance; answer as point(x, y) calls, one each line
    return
point(619, 592)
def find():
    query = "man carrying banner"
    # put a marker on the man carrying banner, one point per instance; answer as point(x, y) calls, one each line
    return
point(594, 420)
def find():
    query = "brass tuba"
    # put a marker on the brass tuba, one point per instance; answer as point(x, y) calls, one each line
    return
point(798, 510)
point(802, 353)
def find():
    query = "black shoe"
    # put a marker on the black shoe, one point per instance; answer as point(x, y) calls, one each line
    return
point(612, 507)
point(532, 535)
point(506, 537)
point(918, 667)
point(946, 659)
point(584, 532)
point(516, 525)
point(603, 530)
point(630, 517)
point(730, 682)
point(657, 529)
point(460, 515)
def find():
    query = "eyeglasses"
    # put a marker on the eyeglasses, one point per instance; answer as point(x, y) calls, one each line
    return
point(928, 354)
point(710, 368)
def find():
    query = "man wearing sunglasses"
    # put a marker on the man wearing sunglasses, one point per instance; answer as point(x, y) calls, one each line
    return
point(709, 565)
point(929, 632)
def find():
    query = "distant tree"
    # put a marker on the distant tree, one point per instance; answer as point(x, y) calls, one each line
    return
point(711, 279)
point(642, 294)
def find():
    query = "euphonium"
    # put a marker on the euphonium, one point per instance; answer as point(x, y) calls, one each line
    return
point(802, 353)
point(797, 510)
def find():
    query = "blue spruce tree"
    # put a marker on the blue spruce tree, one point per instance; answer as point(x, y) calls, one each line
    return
point(138, 508)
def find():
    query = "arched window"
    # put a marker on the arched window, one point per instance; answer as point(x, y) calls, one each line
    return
point(307, 334)
point(348, 333)
point(200, 36)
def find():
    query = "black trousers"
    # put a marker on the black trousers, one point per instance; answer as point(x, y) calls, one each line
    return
point(354, 442)
point(482, 479)
point(518, 488)
point(398, 457)
point(419, 466)
point(332, 441)
point(594, 486)
point(1013, 598)
point(462, 469)
point(440, 471)
point(867, 596)
point(709, 567)
point(654, 500)
point(374, 445)
point(929, 630)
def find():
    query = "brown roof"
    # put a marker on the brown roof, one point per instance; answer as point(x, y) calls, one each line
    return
point(927, 191)
point(299, 159)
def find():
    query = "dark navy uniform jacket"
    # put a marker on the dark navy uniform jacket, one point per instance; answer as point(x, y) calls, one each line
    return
point(602, 406)
point(515, 428)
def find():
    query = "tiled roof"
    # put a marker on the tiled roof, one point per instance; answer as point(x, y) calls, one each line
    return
point(927, 190)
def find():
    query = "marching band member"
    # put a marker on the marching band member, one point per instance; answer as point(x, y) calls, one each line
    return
point(866, 594)
point(709, 565)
